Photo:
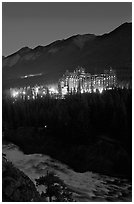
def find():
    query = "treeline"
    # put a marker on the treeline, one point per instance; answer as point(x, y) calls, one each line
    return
point(71, 126)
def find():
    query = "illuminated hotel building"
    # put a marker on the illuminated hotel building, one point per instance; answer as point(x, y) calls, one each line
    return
point(110, 78)
point(81, 82)
point(74, 82)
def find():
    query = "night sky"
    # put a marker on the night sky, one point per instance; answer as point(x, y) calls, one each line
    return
point(33, 24)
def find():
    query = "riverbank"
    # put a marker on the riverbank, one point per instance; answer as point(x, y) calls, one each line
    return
point(87, 186)
point(104, 156)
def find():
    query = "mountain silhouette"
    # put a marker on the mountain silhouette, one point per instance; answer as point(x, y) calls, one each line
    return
point(94, 53)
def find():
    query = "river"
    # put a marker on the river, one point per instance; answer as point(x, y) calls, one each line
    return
point(87, 186)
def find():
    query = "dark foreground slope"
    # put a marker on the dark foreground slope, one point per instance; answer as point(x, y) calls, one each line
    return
point(95, 53)
point(16, 186)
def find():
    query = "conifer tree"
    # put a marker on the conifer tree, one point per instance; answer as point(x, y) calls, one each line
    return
point(56, 190)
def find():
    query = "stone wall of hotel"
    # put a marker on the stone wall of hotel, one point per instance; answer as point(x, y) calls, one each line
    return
point(81, 82)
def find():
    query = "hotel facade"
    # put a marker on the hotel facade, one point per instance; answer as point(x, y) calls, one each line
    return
point(81, 82)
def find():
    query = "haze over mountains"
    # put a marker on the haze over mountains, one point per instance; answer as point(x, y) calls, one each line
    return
point(48, 63)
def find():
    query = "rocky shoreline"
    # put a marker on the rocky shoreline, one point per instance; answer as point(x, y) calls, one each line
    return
point(86, 187)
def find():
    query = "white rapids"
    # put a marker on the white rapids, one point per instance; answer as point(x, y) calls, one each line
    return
point(87, 186)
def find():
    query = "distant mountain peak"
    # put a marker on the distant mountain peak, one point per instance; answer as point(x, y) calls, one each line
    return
point(87, 50)
point(123, 27)
point(77, 37)
point(39, 48)
point(24, 50)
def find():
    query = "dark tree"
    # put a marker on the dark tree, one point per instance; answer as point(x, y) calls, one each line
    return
point(56, 190)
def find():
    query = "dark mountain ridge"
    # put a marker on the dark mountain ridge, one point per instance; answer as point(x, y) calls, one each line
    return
point(95, 53)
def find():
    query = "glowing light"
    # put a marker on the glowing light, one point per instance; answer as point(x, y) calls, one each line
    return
point(53, 90)
point(82, 91)
point(30, 75)
point(101, 90)
point(64, 91)
point(36, 90)
point(15, 94)
point(94, 90)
